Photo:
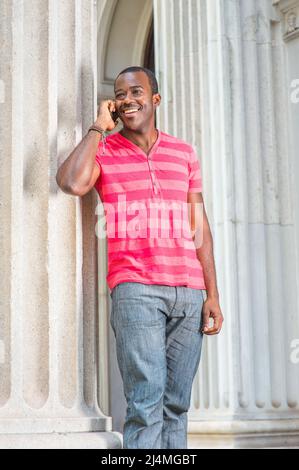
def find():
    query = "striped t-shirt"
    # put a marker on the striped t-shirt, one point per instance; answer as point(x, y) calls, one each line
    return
point(145, 206)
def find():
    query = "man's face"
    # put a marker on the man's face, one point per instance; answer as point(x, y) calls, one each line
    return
point(134, 100)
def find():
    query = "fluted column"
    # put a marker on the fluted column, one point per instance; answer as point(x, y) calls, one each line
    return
point(225, 86)
point(49, 361)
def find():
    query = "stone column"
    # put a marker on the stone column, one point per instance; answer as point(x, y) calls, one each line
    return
point(225, 86)
point(49, 361)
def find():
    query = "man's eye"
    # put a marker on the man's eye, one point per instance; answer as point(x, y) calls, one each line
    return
point(137, 92)
point(119, 97)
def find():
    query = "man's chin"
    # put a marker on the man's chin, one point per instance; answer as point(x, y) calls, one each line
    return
point(131, 126)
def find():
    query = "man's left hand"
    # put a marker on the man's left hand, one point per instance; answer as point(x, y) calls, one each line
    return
point(211, 309)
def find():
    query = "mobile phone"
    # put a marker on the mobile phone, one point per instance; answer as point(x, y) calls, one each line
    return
point(114, 115)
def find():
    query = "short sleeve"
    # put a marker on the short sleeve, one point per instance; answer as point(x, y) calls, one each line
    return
point(195, 179)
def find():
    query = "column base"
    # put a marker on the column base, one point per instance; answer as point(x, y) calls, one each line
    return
point(196, 441)
point(59, 440)
point(253, 434)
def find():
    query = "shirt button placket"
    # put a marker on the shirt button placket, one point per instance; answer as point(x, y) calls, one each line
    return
point(151, 171)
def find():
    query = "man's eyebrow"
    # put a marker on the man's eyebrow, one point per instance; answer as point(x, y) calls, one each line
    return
point(133, 86)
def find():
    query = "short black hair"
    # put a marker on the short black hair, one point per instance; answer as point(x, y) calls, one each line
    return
point(151, 76)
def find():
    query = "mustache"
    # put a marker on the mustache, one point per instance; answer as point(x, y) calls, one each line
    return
point(126, 108)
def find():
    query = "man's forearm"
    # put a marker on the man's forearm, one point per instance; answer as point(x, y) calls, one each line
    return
point(203, 242)
point(205, 255)
point(76, 170)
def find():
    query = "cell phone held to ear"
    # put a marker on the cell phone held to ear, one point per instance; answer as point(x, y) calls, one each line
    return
point(115, 116)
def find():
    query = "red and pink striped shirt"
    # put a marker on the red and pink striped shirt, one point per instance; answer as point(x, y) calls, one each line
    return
point(145, 205)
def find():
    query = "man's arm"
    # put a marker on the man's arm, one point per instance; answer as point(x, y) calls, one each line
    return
point(79, 172)
point(200, 227)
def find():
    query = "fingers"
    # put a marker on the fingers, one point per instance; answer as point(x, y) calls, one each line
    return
point(212, 331)
point(108, 104)
point(217, 324)
point(205, 325)
point(111, 106)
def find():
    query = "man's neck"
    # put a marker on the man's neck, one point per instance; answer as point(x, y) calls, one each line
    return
point(144, 140)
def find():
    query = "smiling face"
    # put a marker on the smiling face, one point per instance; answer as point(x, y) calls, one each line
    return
point(134, 101)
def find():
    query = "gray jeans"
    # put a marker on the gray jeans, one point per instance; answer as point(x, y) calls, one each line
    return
point(158, 344)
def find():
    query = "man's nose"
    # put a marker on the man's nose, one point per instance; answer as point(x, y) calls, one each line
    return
point(128, 98)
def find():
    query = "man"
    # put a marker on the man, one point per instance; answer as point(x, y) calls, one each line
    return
point(156, 277)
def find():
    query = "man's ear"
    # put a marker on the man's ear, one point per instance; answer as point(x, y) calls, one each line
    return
point(157, 99)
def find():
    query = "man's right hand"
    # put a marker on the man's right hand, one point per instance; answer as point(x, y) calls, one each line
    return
point(104, 119)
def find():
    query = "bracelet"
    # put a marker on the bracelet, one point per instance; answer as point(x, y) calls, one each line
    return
point(96, 128)
point(102, 132)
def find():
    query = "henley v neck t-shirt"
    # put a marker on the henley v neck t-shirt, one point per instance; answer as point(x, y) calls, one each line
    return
point(146, 212)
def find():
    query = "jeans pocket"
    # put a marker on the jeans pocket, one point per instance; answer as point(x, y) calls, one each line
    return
point(111, 292)
point(111, 320)
point(194, 310)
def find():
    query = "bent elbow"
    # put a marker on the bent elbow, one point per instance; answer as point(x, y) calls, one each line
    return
point(70, 187)
point(77, 191)
point(74, 190)
point(67, 188)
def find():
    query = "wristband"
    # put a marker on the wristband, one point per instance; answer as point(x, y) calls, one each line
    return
point(103, 133)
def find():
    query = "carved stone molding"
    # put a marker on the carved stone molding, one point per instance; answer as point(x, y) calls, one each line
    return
point(290, 11)
point(256, 27)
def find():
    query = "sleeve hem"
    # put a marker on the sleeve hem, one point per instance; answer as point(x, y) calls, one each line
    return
point(195, 190)
point(98, 163)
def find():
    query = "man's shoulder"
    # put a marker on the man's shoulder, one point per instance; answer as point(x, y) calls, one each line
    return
point(172, 140)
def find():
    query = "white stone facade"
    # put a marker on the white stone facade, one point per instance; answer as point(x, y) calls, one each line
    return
point(50, 387)
point(228, 72)
point(242, 119)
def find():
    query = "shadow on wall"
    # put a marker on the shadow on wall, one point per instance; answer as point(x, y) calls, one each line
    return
point(118, 403)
